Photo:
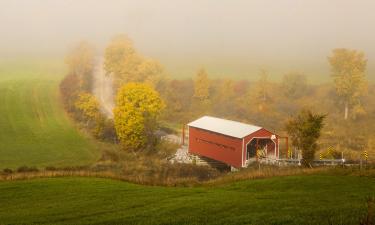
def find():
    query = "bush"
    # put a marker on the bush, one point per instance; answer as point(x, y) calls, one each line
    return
point(7, 171)
point(165, 149)
point(50, 168)
point(104, 129)
point(75, 168)
point(304, 131)
point(69, 89)
point(25, 169)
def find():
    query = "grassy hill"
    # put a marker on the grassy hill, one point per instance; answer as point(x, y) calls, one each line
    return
point(34, 129)
point(315, 199)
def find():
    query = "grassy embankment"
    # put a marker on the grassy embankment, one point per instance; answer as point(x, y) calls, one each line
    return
point(34, 129)
point(314, 199)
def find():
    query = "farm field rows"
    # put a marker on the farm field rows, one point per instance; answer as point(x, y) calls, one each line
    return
point(314, 199)
point(34, 128)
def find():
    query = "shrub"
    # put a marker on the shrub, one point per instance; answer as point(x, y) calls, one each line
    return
point(105, 129)
point(25, 169)
point(304, 131)
point(75, 168)
point(165, 149)
point(50, 168)
point(7, 171)
point(69, 89)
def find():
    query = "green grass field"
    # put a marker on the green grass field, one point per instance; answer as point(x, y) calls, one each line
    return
point(315, 199)
point(34, 129)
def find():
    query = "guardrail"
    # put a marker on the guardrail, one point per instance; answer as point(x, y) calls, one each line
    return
point(323, 162)
point(329, 162)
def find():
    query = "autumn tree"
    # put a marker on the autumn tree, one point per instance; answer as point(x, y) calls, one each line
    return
point(126, 65)
point(178, 97)
point(202, 85)
point(88, 105)
point(81, 61)
point(69, 89)
point(294, 85)
point(201, 96)
point(348, 69)
point(138, 107)
point(224, 97)
point(260, 93)
point(304, 131)
point(150, 72)
point(263, 85)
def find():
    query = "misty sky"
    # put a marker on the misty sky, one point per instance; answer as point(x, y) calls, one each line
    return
point(228, 37)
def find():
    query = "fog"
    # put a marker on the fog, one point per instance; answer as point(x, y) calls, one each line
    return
point(229, 38)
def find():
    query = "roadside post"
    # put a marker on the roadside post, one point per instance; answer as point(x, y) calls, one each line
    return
point(342, 159)
point(258, 157)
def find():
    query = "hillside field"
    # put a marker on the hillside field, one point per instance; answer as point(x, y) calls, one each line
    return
point(314, 199)
point(34, 128)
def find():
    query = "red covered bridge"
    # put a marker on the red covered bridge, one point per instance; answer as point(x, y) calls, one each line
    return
point(231, 142)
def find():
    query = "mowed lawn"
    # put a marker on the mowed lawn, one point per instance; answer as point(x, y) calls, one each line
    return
point(314, 199)
point(34, 129)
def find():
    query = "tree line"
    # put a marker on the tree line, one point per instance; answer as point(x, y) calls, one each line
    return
point(146, 96)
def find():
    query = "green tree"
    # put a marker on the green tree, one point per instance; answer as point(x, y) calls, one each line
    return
point(304, 131)
point(80, 61)
point(348, 69)
point(138, 107)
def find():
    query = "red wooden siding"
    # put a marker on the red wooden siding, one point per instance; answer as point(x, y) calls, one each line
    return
point(229, 150)
point(215, 146)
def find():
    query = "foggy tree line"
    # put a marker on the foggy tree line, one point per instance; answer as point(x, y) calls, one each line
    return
point(263, 102)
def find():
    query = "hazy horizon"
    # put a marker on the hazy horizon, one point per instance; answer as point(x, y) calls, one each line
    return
point(228, 38)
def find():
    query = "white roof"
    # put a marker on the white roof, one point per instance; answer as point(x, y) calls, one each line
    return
point(222, 126)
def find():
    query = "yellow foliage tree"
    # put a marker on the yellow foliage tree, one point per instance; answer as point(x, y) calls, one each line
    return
point(263, 85)
point(201, 101)
point(80, 61)
point(149, 71)
point(348, 71)
point(88, 105)
point(260, 97)
point(138, 107)
point(294, 85)
point(126, 65)
point(202, 85)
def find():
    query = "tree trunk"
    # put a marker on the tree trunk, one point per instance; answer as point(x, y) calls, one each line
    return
point(346, 110)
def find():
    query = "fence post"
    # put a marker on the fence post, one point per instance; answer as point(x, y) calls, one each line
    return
point(342, 159)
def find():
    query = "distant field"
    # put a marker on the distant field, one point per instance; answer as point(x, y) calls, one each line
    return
point(314, 199)
point(34, 129)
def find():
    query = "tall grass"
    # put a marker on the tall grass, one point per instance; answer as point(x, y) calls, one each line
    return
point(264, 172)
point(183, 175)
